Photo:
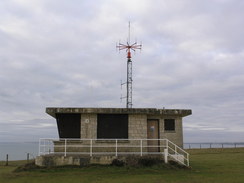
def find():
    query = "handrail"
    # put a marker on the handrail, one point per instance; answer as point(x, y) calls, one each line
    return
point(186, 156)
point(177, 146)
point(114, 147)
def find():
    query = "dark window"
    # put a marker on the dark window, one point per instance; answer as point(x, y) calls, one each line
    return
point(68, 125)
point(169, 124)
point(112, 126)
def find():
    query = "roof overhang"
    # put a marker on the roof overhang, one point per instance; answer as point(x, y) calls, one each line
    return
point(148, 111)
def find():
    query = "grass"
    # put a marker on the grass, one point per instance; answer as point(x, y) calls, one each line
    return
point(207, 165)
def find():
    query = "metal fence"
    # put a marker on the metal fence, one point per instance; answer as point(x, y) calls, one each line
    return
point(210, 145)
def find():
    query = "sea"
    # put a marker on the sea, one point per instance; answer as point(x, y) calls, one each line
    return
point(18, 150)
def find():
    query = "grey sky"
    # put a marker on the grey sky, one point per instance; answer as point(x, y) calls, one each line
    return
point(61, 53)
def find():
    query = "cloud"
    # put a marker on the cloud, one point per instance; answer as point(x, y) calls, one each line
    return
point(62, 54)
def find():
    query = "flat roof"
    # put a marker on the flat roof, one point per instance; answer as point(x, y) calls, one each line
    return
point(151, 111)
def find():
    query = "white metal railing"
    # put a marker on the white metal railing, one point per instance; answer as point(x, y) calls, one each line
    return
point(115, 147)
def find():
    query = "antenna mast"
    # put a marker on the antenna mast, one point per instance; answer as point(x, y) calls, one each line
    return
point(128, 47)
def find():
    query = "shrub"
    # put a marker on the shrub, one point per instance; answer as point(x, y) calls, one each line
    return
point(137, 161)
point(149, 161)
point(132, 161)
point(27, 167)
point(118, 162)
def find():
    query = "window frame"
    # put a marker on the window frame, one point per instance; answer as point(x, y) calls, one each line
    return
point(112, 126)
point(170, 124)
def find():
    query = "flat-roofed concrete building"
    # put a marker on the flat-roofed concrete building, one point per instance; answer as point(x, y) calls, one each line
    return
point(116, 130)
point(120, 123)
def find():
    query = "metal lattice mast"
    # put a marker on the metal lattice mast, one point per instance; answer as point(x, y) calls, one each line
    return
point(129, 84)
point(128, 47)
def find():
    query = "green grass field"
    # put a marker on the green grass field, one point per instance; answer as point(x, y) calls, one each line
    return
point(207, 166)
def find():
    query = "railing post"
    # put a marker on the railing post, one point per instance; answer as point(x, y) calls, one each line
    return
point(44, 146)
point(65, 147)
point(167, 144)
point(6, 164)
point(28, 157)
point(141, 147)
point(49, 144)
point(116, 147)
point(91, 147)
point(166, 155)
point(187, 159)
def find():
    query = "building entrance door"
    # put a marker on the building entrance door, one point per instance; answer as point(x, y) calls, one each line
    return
point(152, 134)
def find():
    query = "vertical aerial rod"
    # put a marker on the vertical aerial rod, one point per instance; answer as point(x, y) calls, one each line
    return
point(128, 47)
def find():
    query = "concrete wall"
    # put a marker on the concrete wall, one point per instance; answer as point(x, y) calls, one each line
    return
point(50, 161)
point(88, 126)
point(174, 136)
point(137, 127)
